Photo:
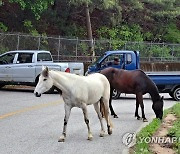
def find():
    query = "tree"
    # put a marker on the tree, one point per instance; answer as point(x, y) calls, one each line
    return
point(37, 6)
point(91, 5)
point(154, 18)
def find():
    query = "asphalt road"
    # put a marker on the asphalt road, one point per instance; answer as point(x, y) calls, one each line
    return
point(33, 125)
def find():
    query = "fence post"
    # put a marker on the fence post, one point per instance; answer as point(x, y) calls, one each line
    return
point(76, 47)
point(110, 43)
point(150, 52)
point(172, 53)
point(163, 52)
point(17, 43)
point(39, 43)
point(59, 45)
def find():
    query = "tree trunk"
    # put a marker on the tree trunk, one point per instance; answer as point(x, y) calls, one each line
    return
point(89, 31)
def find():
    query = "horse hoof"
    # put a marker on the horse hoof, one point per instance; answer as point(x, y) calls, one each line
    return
point(90, 138)
point(61, 140)
point(109, 131)
point(102, 134)
point(145, 120)
point(139, 118)
point(115, 116)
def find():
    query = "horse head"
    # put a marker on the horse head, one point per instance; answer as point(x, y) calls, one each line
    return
point(158, 108)
point(45, 82)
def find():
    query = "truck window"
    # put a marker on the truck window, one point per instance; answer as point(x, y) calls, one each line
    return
point(114, 59)
point(129, 58)
point(7, 58)
point(44, 57)
point(24, 58)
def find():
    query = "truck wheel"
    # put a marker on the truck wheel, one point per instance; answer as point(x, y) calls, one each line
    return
point(116, 94)
point(176, 94)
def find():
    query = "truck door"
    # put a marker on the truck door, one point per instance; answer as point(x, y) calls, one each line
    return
point(129, 65)
point(131, 61)
point(6, 63)
point(24, 70)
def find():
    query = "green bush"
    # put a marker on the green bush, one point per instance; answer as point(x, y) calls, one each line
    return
point(3, 49)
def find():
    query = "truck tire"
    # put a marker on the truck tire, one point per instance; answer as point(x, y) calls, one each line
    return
point(176, 94)
point(116, 94)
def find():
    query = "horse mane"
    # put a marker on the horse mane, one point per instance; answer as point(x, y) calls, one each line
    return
point(65, 74)
point(153, 90)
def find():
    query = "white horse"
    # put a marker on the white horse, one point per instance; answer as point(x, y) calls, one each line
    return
point(78, 91)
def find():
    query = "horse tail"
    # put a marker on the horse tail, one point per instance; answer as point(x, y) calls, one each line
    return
point(104, 112)
point(102, 108)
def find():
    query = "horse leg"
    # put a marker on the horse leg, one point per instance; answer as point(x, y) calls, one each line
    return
point(67, 114)
point(86, 119)
point(110, 104)
point(140, 99)
point(106, 112)
point(96, 107)
point(142, 109)
point(137, 107)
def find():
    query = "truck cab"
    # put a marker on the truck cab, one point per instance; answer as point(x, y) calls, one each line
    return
point(128, 60)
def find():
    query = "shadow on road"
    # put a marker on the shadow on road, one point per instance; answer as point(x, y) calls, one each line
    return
point(19, 88)
point(132, 97)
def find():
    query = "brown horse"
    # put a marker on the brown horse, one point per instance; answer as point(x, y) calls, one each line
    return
point(134, 82)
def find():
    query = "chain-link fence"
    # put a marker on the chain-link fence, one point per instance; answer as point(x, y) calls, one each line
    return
point(68, 49)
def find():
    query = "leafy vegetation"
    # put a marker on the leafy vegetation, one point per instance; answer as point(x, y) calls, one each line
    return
point(134, 20)
point(3, 28)
point(149, 130)
point(175, 131)
point(117, 21)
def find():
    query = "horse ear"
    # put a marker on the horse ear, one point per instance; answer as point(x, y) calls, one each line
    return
point(45, 71)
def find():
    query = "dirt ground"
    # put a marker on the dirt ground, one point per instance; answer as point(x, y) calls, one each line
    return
point(164, 148)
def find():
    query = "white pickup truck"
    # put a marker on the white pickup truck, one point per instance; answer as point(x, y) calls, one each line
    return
point(22, 67)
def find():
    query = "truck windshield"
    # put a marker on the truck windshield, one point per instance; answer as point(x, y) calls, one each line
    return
point(98, 60)
point(44, 57)
point(7, 58)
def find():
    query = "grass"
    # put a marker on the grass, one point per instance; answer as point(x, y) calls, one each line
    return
point(175, 130)
point(142, 146)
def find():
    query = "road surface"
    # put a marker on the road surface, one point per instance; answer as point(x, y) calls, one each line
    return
point(33, 125)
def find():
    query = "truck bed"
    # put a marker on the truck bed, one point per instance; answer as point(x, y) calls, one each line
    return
point(165, 78)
